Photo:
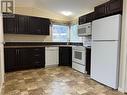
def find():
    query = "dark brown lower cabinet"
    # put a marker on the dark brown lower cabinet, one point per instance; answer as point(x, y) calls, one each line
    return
point(24, 58)
point(65, 56)
point(88, 60)
point(11, 59)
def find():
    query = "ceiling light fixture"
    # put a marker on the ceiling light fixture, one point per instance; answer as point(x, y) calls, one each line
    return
point(66, 13)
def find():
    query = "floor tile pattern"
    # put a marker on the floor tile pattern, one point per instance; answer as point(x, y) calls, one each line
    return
point(53, 81)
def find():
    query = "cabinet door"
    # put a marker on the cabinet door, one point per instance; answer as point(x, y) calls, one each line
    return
point(24, 58)
point(82, 19)
point(65, 56)
point(45, 27)
point(11, 59)
point(35, 26)
point(10, 25)
point(88, 61)
point(22, 24)
point(90, 17)
point(115, 6)
point(101, 11)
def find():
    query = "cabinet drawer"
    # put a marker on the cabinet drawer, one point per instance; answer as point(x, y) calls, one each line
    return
point(36, 58)
point(78, 67)
point(82, 19)
point(38, 64)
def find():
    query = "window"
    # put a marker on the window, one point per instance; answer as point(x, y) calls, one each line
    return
point(60, 33)
point(74, 34)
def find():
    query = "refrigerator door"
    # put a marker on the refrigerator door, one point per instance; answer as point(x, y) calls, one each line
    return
point(106, 28)
point(105, 63)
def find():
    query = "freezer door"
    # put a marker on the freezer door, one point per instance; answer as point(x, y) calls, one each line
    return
point(105, 63)
point(106, 28)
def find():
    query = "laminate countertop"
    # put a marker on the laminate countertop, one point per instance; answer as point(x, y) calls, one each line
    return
point(38, 46)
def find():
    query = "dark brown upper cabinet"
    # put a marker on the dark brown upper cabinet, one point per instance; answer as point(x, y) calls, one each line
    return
point(35, 25)
point(21, 24)
point(39, 26)
point(10, 25)
point(86, 18)
point(90, 17)
point(82, 19)
point(109, 8)
point(101, 10)
point(45, 26)
point(115, 6)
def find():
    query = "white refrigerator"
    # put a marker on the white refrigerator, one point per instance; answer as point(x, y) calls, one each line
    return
point(105, 50)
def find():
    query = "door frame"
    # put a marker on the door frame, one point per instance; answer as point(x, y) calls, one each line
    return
point(123, 59)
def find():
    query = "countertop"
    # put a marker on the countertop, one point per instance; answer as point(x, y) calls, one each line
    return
point(39, 44)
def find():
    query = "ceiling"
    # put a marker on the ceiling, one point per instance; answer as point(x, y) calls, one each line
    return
point(77, 7)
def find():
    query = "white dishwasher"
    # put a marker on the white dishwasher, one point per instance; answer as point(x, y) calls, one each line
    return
point(52, 56)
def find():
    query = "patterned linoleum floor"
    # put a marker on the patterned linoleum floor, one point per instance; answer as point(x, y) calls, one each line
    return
point(53, 81)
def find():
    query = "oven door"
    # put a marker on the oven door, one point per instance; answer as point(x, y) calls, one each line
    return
point(78, 56)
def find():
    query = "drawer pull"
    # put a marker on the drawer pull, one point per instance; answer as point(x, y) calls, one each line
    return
point(37, 62)
point(37, 55)
point(36, 49)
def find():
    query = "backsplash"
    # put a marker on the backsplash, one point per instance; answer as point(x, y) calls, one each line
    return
point(87, 41)
point(26, 38)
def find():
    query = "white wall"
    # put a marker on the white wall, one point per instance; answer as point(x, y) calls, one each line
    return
point(123, 60)
point(1, 66)
point(1, 54)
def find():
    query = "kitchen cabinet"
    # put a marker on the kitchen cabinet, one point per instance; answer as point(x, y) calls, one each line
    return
point(115, 6)
point(21, 24)
point(88, 60)
point(32, 57)
point(35, 25)
point(52, 56)
point(90, 17)
point(24, 58)
point(11, 59)
point(101, 10)
point(39, 26)
point(10, 25)
point(109, 8)
point(82, 19)
point(65, 56)
point(86, 18)
point(45, 27)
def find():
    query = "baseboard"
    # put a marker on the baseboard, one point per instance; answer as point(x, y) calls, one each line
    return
point(48, 66)
point(121, 90)
point(0, 90)
point(1, 86)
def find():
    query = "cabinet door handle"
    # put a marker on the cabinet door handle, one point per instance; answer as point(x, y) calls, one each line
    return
point(36, 49)
point(18, 51)
point(37, 62)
